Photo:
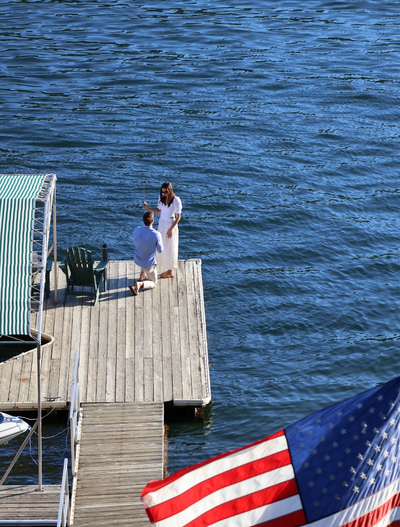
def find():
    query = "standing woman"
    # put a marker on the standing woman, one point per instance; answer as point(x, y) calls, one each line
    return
point(170, 208)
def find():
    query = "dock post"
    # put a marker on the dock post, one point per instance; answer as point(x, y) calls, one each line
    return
point(39, 417)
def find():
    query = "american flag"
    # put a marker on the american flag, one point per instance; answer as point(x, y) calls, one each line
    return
point(336, 467)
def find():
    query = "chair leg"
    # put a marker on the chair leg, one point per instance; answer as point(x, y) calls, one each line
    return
point(105, 279)
point(97, 295)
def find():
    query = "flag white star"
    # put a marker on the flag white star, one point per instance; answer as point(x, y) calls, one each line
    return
point(310, 484)
point(353, 470)
point(377, 449)
point(360, 457)
point(384, 435)
point(355, 437)
point(363, 476)
point(370, 463)
point(356, 489)
point(343, 431)
point(371, 410)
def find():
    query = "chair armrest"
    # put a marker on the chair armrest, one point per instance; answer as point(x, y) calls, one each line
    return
point(101, 266)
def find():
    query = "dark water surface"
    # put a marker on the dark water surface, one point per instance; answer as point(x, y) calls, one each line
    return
point(278, 125)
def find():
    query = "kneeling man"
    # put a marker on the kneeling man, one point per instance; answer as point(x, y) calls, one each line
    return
point(147, 242)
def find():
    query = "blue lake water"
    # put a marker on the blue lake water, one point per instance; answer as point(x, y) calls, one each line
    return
point(278, 125)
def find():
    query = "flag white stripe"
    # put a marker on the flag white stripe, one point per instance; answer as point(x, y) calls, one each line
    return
point(215, 468)
point(360, 509)
point(391, 516)
point(233, 492)
point(263, 514)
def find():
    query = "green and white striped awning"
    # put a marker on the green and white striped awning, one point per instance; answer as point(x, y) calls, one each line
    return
point(17, 203)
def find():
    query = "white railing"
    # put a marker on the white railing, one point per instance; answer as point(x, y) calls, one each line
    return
point(63, 508)
point(74, 412)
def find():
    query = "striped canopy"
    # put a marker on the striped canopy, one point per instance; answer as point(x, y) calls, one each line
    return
point(17, 202)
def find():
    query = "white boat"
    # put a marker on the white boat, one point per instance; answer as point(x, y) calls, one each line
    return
point(11, 427)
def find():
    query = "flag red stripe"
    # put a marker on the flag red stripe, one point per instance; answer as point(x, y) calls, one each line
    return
point(375, 516)
point(246, 503)
point(295, 519)
point(158, 484)
point(207, 487)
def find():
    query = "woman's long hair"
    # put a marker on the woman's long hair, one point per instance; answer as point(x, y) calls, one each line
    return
point(169, 198)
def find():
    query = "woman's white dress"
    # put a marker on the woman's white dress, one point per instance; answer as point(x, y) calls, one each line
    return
point(168, 259)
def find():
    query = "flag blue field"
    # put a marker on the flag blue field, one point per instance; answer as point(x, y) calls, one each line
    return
point(336, 467)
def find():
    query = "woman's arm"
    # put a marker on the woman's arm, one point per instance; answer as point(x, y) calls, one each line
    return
point(154, 211)
point(176, 221)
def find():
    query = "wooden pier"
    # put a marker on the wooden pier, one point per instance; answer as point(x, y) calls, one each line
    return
point(146, 350)
point(121, 450)
point(19, 503)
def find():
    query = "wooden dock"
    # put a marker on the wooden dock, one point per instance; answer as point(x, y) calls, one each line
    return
point(121, 450)
point(18, 503)
point(149, 348)
point(136, 353)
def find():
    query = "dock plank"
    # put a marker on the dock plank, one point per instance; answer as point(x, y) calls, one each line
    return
point(121, 323)
point(166, 339)
point(184, 334)
point(193, 331)
point(66, 348)
point(139, 345)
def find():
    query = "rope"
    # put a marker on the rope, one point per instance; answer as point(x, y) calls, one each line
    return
point(54, 407)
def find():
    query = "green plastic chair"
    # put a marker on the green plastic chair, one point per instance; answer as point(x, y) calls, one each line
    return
point(80, 272)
